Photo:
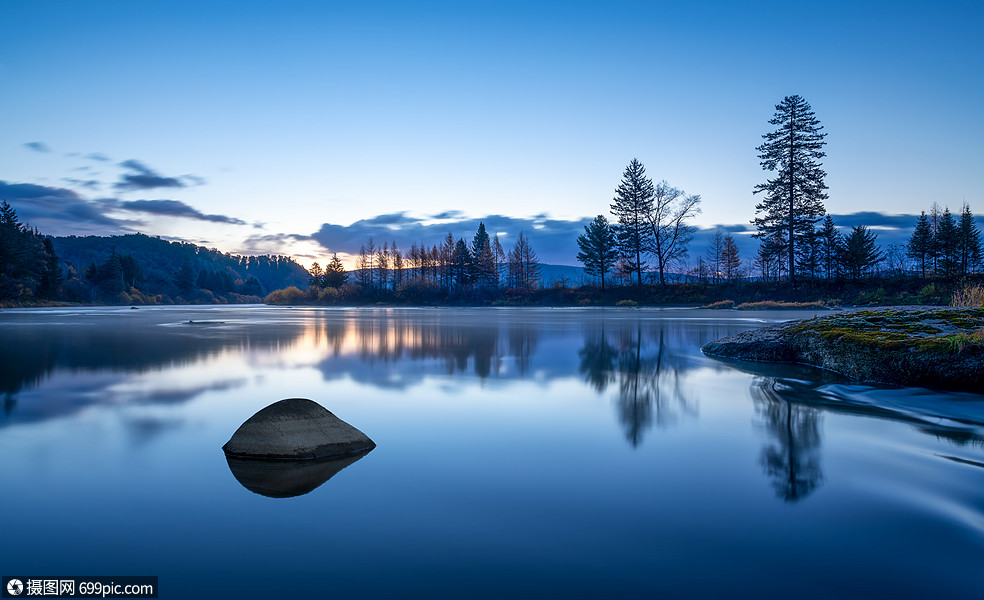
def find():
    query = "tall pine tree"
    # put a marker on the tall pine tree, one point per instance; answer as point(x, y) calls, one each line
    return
point(632, 205)
point(794, 198)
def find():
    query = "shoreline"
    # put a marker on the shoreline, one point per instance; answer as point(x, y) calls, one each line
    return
point(927, 346)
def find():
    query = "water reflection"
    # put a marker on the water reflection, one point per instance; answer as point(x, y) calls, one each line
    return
point(287, 478)
point(790, 401)
point(411, 346)
point(791, 456)
point(648, 370)
point(98, 359)
point(644, 359)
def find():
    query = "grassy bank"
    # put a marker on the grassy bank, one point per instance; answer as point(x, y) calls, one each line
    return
point(751, 295)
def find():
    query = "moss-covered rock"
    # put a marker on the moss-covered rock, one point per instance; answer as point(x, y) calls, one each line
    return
point(926, 346)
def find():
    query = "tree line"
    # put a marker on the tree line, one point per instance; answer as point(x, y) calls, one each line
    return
point(652, 229)
point(797, 238)
point(29, 268)
point(129, 269)
point(453, 266)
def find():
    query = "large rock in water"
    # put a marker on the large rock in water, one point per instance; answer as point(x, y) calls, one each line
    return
point(296, 428)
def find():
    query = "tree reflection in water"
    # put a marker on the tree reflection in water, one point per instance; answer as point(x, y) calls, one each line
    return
point(791, 457)
point(410, 346)
point(648, 371)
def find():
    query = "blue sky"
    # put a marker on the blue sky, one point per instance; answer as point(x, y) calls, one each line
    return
point(253, 126)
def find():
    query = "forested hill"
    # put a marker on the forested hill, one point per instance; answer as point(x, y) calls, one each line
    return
point(159, 267)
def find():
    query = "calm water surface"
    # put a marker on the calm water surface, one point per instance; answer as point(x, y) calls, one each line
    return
point(521, 452)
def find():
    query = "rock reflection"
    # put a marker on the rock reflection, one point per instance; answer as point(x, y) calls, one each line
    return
point(647, 367)
point(287, 478)
point(791, 457)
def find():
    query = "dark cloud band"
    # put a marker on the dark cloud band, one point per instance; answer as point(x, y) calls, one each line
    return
point(142, 177)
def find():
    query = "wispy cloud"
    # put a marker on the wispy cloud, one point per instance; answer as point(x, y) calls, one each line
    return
point(60, 211)
point(142, 177)
point(174, 208)
point(37, 146)
point(97, 156)
point(273, 243)
point(91, 184)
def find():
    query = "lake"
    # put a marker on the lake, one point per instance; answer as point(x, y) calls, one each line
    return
point(520, 452)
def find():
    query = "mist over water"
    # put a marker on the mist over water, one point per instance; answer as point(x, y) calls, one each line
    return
point(521, 452)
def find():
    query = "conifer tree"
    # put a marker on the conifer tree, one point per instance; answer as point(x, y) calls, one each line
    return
point(132, 273)
point(397, 264)
point(316, 276)
point(810, 254)
point(445, 260)
point(794, 198)
point(51, 275)
point(434, 262)
point(859, 252)
point(370, 266)
point(948, 245)
point(969, 242)
point(364, 268)
point(920, 247)
point(632, 204)
point(524, 266)
point(413, 260)
point(252, 287)
point(935, 214)
point(829, 242)
point(500, 257)
point(483, 258)
point(335, 275)
point(714, 251)
point(185, 278)
point(13, 250)
point(461, 265)
point(766, 260)
point(598, 248)
point(730, 259)
point(382, 266)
